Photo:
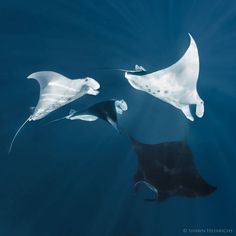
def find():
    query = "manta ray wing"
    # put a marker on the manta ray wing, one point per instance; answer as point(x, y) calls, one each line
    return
point(169, 168)
point(176, 84)
point(185, 71)
point(56, 91)
point(105, 110)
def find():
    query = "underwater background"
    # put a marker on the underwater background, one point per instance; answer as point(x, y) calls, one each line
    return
point(75, 178)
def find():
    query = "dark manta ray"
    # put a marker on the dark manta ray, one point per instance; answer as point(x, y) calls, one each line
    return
point(106, 110)
point(168, 170)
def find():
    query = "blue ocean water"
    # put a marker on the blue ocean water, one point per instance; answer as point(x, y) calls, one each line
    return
point(76, 178)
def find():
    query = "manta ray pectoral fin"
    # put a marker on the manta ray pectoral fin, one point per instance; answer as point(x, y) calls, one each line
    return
point(200, 109)
point(17, 132)
point(57, 90)
point(45, 77)
point(186, 110)
point(92, 92)
point(113, 123)
point(133, 84)
point(84, 117)
point(137, 184)
point(150, 186)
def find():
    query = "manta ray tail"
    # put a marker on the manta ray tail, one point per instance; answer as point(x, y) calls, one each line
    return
point(71, 113)
point(151, 187)
point(116, 69)
point(17, 132)
point(124, 70)
point(137, 68)
point(52, 121)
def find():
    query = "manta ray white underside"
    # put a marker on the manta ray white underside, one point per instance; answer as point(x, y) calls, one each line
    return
point(56, 90)
point(176, 85)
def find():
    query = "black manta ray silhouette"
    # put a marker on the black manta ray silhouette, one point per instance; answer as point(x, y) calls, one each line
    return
point(105, 110)
point(168, 170)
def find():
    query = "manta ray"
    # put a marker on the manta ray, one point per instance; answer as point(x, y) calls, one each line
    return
point(56, 90)
point(168, 169)
point(175, 85)
point(105, 110)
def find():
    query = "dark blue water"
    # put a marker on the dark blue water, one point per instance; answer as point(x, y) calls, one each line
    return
point(75, 178)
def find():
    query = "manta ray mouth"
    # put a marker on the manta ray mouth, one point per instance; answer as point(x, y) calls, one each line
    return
point(93, 87)
point(121, 106)
point(93, 91)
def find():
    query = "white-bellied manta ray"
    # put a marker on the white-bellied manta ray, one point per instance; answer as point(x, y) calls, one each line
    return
point(105, 110)
point(56, 90)
point(168, 169)
point(176, 85)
